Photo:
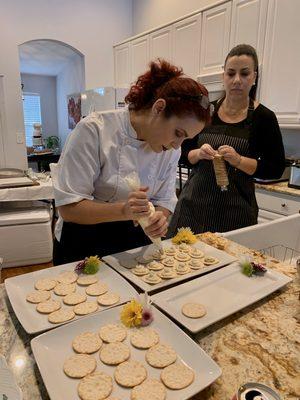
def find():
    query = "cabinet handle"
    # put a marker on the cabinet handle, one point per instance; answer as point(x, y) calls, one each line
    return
point(283, 205)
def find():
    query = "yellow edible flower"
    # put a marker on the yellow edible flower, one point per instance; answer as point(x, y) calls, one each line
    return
point(184, 235)
point(131, 314)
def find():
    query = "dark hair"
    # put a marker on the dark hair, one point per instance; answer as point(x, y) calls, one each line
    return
point(184, 96)
point(246, 50)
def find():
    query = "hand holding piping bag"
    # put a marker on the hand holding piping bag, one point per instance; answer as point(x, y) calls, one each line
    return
point(133, 182)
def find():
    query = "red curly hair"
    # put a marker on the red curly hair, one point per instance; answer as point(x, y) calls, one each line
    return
point(184, 96)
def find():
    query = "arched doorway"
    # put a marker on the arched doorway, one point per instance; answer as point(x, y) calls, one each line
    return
point(50, 71)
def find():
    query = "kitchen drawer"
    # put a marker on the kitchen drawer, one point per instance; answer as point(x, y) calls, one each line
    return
point(278, 203)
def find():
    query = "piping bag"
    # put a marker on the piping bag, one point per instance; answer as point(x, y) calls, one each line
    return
point(134, 183)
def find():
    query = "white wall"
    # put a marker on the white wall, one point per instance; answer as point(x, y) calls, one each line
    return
point(45, 86)
point(148, 14)
point(90, 26)
point(69, 81)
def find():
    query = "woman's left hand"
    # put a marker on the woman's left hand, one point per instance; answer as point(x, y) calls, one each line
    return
point(230, 155)
point(158, 225)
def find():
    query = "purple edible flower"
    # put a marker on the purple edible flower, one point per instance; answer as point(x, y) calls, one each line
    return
point(259, 269)
point(147, 317)
point(80, 267)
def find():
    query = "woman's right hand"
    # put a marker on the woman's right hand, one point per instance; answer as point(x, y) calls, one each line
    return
point(137, 205)
point(206, 152)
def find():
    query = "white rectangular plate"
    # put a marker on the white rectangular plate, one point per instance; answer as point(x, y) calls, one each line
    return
point(114, 261)
point(52, 348)
point(222, 293)
point(32, 321)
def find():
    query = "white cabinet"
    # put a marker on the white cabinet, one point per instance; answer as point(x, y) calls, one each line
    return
point(248, 24)
point(139, 56)
point(280, 85)
point(277, 203)
point(215, 38)
point(186, 45)
point(122, 65)
point(160, 43)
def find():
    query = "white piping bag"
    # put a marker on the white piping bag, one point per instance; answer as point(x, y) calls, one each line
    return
point(133, 181)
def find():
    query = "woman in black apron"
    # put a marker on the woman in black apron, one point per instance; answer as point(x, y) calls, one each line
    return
point(98, 211)
point(255, 147)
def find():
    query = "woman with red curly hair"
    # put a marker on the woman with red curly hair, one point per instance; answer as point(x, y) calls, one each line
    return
point(97, 210)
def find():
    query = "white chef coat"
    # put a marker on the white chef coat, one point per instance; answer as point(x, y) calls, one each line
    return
point(100, 152)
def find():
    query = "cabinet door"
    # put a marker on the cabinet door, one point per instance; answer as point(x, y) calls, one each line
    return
point(248, 24)
point(280, 84)
point(215, 38)
point(139, 56)
point(160, 43)
point(122, 65)
point(186, 45)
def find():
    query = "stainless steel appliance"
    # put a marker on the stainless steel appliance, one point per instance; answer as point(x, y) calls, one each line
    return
point(294, 181)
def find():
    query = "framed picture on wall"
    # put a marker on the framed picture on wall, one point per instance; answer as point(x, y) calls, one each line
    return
point(74, 109)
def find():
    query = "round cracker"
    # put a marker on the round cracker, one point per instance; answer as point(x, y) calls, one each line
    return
point(152, 278)
point(143, 338)
point(86, 280)
point(38, 296)
point(193, 310)
point(155, 266)
point(67, 277)
point(108, 299)
point(79, 365)
point(160, 355)
point(72, 299)
point(111, 333)
point(114, 353)
point(210, 260)
point(49, 306)
point(87, 343)
point(170, 251)
point(182, 257)
point(150, 389)
point(130, 373)
point(140, 270)
point(45, 284)
point(196, 264)
point(196, 253)
point(96, 386)
point(96, 289)
point(85, 308)
point(62, 289)
point(62, 315)
point(177, 376)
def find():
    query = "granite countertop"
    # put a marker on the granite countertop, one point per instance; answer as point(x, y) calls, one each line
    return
point(260, 343)
point(279, 187)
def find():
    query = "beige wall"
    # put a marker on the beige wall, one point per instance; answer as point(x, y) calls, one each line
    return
point(90, 26)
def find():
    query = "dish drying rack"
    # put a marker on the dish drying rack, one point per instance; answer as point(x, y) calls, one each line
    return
point(282, 253)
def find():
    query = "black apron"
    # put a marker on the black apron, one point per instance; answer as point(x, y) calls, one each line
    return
point(80, 241)
point(202, 205)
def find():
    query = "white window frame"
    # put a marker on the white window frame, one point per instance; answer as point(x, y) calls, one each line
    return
point(37, 118)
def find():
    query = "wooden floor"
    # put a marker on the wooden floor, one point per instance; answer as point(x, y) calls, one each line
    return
point(13, 271)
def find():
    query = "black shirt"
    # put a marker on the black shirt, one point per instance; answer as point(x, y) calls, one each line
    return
point(265, 143)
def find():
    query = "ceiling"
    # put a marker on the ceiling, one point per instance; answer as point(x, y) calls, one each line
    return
point(44, 57)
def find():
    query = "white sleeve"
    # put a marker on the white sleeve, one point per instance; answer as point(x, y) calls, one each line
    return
point(79, 166)
point(165, 195)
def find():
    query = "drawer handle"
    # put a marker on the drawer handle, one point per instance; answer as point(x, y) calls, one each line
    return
point(283, 205)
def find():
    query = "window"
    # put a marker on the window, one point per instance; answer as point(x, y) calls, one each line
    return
point(32, 114)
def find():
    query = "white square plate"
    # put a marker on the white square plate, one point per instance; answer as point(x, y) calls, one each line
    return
point(114, 261)
point(32, 321)
point(52, 348)
point(222, 293)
